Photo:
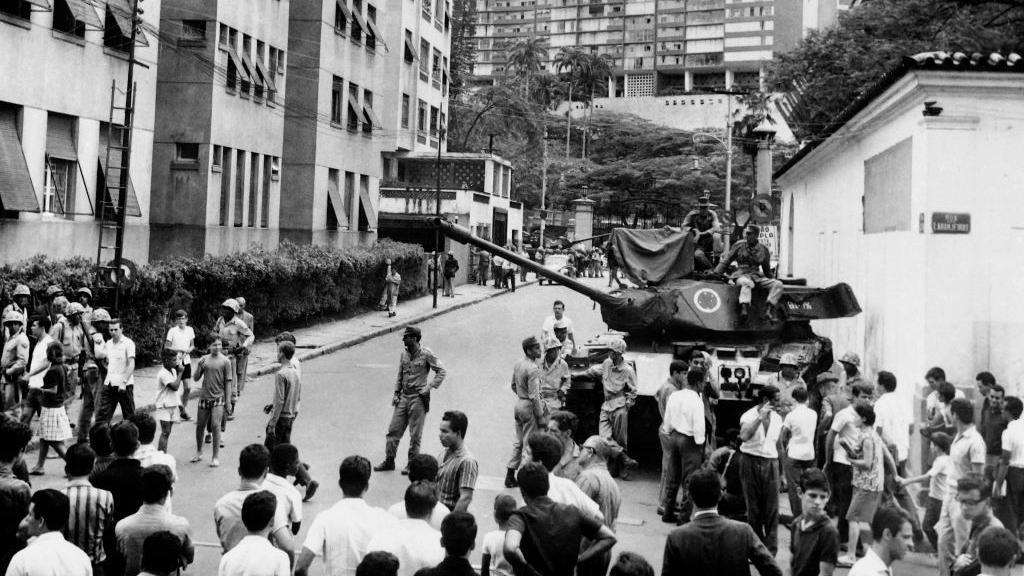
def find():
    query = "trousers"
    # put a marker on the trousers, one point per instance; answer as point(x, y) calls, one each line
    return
point(614, 425)
point(111, 397)
point(410, 412)
point(685, 458)
point(793, 470)
point(91, 392)
point(526, 423)
point(1014, 507)
point(747, 283)
point(281, 433)
point(841, 481)
point(953, 531)
point(931, 521)
point(760, 478)
point(448, 289)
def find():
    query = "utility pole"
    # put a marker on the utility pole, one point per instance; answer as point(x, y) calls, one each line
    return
point(543, 187)
point(437, 210)
point(728, 173)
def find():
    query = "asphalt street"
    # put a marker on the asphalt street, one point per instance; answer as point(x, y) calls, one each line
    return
point(346, 409)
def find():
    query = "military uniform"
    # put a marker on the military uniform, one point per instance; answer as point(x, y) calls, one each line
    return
point(752, 268)
point(413, 393)
point(529, 410)
point(704, 222)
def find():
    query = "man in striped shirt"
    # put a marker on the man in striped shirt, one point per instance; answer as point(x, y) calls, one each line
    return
point(456, 478)
point(92, 509)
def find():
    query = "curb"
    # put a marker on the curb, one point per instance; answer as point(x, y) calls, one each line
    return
point(356, 340)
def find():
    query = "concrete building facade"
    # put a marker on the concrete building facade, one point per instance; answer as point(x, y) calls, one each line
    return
point(913, 200)
point(220, 126)
point(60, 59)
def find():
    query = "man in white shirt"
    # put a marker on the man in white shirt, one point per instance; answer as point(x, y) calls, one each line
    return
point(935, 377)
point(837, 462)
point(797, 438)
point(340, 536)
point(284, 461)
point(254, 554)
point(147, 454)
point(181, 339)
point(893, 538)
point(546, 450)
point(685, 427)
point(119, 386)
point(760, 429)
point(547, 329)
point(49, 552)
point(32, 404)
point(422, 467)
point(414, 541)
point(894, 424)
point(1009, 480)
point(967, 456)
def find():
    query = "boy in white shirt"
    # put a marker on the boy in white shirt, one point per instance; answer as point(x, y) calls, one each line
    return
point(494, 541)
point(181, 339)
point(167, 403)
point(938, 482)
point(798, 437)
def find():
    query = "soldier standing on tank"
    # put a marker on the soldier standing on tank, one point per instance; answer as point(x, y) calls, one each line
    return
point(753, 268)
point(708, 229)
point(529, 411)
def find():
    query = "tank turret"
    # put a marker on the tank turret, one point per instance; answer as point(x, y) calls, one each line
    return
point(686, 307)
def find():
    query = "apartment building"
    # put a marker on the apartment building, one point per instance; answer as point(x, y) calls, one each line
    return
point(220, 126)
point(369, 80)
point(60, 60)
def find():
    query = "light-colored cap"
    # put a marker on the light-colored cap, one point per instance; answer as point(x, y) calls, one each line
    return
point(827, 377)
point(100, 315)
point(74, 308)
point(551, 342)
point(232, 304)
point(617, 345)
point(14, 316)
point(241, 301)
point(850, 358)
point(54, 290)
point(788, 359)
point(22, 290)
point(84, 290)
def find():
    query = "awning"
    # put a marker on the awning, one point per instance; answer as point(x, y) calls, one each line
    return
point(339, 207)
point(371, 117)
point(410, 54)
point(250, 70)
point(16, 191)
point(353, 106)
point(60, 137)
point(112, 180)
point(268, 78)
point(84, 12)
point(367, 208)
point(44, 4)
point(376, 33)
point(344, 9)
point(360, 21)
point(243, 73)
point(122, 13)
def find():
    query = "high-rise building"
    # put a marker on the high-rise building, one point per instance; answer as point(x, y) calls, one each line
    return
point(656, 46)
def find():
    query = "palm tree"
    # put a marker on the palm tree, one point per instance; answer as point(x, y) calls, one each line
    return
point(526, 58)
point(577, 63)
point(547, 91)
point(599, 70)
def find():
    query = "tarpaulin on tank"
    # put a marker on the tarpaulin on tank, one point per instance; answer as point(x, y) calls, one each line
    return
point(654, 255)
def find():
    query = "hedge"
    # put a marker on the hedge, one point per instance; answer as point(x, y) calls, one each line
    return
point(291, 285)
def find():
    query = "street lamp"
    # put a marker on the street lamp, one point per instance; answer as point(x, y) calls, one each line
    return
point(765, 133)
point(728, 175)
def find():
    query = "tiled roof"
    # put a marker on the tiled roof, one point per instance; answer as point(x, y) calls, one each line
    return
point(957, 61)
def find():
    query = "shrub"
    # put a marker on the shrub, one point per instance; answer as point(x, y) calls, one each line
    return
point(289, 285)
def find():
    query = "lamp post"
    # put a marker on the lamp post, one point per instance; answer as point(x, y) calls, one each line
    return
point(728, 175)
point(437, 210)
point(765, 132)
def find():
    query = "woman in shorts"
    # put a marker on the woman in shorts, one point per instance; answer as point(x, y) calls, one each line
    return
point(867, 457)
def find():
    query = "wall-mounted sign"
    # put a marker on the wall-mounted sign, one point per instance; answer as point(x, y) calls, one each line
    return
point(951, 223)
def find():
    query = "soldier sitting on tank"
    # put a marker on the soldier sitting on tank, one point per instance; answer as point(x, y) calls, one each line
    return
point(753, 268)
point(706, 227)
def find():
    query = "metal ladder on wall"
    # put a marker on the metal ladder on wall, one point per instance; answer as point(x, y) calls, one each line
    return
point(112, 204)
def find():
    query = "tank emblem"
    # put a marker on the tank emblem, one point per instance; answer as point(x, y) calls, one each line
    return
point(707, 300)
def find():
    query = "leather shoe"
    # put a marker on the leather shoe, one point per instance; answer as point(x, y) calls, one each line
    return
point(385, 466)
point(311, 489)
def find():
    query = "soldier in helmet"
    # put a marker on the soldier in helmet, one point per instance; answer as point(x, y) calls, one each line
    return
point(619, 381)
point(787, 379)
point(84, 297)
point(554, 379)
point(237, 339)
point(704, 222)
point(46, 308)
point(14, 360)
point(243, 363)
point(21, 299)
point(753, 268)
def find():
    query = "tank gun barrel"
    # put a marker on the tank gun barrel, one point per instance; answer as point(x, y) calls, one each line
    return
point(460, 234)
point(581, 240)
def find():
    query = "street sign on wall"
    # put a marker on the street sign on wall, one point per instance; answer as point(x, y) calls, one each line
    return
point(951, 223)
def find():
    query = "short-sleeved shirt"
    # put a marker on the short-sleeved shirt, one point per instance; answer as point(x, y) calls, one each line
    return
point(55, 381)
point(596, 482)
point(118, 355)
point(845, 427)
point(254, 556)
point(810, 546)
point(552, 534)
point(180, 340)
point(992, 431)
point(413, 370)
point(166, 397)
point(938, 476)
point(235, 332)
point(287, 494)
point(494, 546)
point(763, 443)
point(932, 403)
point(458, 470)
point(894, 422)
point(968, 448)
point(216, 373)
point(132, 532)
point(341, 535)
point(661, 396)
point(548, 327)
point(800, 422)
point(38, 360)
point(1013, 442)
point(436, 515)
point(90, 513)
point(227, 516)
point(414, 542)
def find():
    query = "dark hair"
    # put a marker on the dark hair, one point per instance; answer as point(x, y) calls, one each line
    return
point(179, 313)
point(695, 377)
point(800, 394)
point(354, 476)
point(161, 553)
point(888, 518)
point(258, 510)
point(566, 420)
point(768, 392)
point(283, 459)
point(285, 337)
point(866, 413)
point(631, 564)
point(986, 378)
point(155, 485)
point(557, 302)
point(42, 321)
point(124, 437)
point(420, 499)
point(997, 547)
point(676, 367)
point(168, 355)
point(962, 410)
point(862, 389)
point(752, 228)
point(146, 424)
point(287, 348)
point(54, 350)
point(947, 392)
point(814, 479)
point(79, 460)
point(545, 449)
point(254, 461)
point(457, 420)
point(52, 507)
point(458, 532)
point(533, 480)
point(942, 440)
point(975, 482)
point(935, 373)
point(732, 436)
point(529, 343)
point(14, 436)
point(705, 488)
point(1014, 406)
point(887, 380)
point(423, 467)
point(99, 439)
point(504, 506)
point(378, 563)
point(215, 337)
point(998, 388)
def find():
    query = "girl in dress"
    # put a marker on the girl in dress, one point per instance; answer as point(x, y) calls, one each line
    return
point(54, 425)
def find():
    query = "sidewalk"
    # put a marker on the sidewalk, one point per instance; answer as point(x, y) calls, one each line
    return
point(327, 337)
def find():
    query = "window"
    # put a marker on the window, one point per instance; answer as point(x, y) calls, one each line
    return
point(410, 54)
point(353, 106)
point(405, 110)
point(223, 35)
point(358, 26)
point(424, 61)
point(371, 38)
point(254, 188)
point(240, 187)
point(186, 152)
point(435, 70)
point(217, 164)
point(17, 8)
point(421, 117)
point(193, 30)
point(59, 185)
point(280, 62)
point(350, 194)
point(433, 121)
point(336, 89)
point(444, 125)
point(426, 9)
point(332, 186)
point(225, 187)
point(369, 119)
point(341, 16)
point(265, 193)
point(64, 20)
point(275, 168)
